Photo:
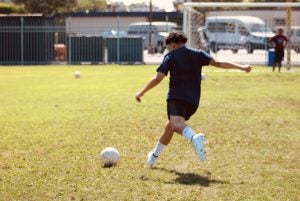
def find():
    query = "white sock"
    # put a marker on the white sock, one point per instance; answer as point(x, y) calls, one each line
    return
point(158, 148)
point(188, 133)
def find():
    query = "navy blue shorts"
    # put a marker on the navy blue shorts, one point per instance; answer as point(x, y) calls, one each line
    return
point(181, 108)
point(278, 57)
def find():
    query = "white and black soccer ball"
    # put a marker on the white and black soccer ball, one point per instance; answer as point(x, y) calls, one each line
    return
point(203, 76)
point(77, 74)
point(109, 157)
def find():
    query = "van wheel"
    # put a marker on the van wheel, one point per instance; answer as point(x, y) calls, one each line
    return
point(234, 51)
point(249, 48)
point(214, 47)
point(297, 50)
point(159, 49)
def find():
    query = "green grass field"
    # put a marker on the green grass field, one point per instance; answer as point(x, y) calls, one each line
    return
point(53, 126)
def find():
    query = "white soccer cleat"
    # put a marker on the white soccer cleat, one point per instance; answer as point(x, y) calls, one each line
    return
point(151, 159)
point(198, 142)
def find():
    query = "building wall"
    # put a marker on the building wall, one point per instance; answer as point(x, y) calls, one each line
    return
point(97, 25)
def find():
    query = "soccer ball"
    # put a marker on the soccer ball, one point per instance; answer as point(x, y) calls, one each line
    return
point(109, 157)
point(77, 74)
point(203, 76)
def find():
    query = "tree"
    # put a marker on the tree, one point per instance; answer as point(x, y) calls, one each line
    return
point(93, 5)
point(56, 6)
point(47, 7)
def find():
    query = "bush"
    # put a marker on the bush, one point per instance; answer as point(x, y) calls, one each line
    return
point(11, 8)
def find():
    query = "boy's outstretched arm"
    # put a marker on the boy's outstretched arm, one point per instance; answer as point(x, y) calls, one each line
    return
point(152, 83)
point(229, 65)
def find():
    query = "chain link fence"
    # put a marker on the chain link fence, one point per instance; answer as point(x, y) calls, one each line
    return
point(32, 40)
point(241, 34)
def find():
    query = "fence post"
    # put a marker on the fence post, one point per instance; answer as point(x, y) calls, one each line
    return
point(69, 41)
point(167, 24)
point(22, 40)
point(118, 39)
point(266, 43)
point(289, 24)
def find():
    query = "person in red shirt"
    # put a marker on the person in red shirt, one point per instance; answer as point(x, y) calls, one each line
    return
point(279, 42)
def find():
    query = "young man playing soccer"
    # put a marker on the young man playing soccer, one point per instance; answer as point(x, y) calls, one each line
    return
point(185, 67)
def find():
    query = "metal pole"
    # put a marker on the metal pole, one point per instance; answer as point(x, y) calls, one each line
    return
point(22, 40)
point(186, 24)
point(167, 24)
point(266, 42)
point(150, 48)
point(289, 24)
point(118, 40)
point(69, 39)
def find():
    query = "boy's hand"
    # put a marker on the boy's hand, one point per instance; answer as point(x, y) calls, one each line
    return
point(246, 68)
point(138, 96)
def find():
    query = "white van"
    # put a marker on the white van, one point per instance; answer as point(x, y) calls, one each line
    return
point(159, 31)
point(295, 38)
point(237, 32)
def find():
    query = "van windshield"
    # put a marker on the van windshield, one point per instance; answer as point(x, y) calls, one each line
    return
point(166, 28)
point(259, 28)
point(297, 32)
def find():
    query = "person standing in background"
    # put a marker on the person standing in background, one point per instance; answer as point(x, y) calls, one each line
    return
point(279, 42)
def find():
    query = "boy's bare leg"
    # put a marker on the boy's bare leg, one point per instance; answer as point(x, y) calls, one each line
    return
point(167, 134)
point(179, 125)
point(161, 144)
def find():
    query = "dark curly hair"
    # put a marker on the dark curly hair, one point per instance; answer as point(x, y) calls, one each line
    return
point(176, 37)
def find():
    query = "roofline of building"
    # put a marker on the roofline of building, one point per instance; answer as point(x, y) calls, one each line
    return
point(120, 14)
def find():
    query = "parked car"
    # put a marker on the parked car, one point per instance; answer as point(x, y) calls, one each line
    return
point(237, 32)
point(159, 31)
point(113, 34)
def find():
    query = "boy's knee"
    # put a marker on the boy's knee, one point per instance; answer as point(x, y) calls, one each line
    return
point(177, 125)
point(173, 125)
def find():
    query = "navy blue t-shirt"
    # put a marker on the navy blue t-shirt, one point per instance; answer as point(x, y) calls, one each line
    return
point(185, 67)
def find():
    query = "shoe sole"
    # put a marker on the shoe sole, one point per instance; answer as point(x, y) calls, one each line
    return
point(202, 154)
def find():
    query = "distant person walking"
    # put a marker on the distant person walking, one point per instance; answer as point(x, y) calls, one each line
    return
point(279, 42)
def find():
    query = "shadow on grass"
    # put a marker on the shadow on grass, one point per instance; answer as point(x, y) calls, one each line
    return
point(193, 179)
